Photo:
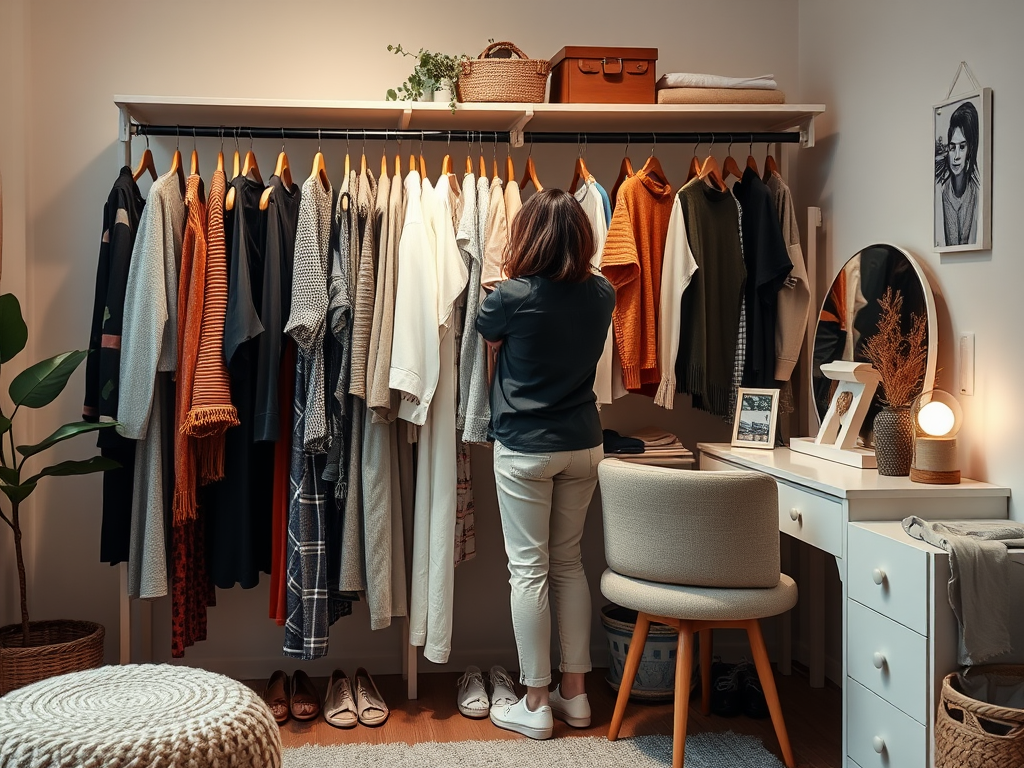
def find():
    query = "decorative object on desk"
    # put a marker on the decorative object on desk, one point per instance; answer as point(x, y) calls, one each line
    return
point(837, 437)
point(937, 418)
point(495, 77)
point(963, 168)
point(849, 314)
point(900, 358)
point(756, 418)
point(32, 651)
point(970, 733)
point(583, 74)
point(433, 78)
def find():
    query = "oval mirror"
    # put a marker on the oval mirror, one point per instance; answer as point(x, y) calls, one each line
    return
point(849, 316)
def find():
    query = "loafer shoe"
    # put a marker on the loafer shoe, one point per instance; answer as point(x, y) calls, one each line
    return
point(503, 688)
point(517, 717)
point(574, 711)
point(473, 701)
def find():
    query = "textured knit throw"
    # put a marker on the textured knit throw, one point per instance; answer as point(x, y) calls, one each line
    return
point(190, 313)
point(211, 412)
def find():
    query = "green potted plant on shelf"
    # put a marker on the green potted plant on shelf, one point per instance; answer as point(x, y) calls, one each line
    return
point(32, 651)
point(433, 78)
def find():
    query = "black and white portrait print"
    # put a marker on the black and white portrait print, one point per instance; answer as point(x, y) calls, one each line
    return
point(755, 419)
point(961, 173)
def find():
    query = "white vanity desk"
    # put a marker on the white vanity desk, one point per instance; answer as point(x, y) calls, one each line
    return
point(899, 634)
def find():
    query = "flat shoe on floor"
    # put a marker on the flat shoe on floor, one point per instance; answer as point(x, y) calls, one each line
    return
point(473, 701)
point(276, 696)
point(339, 704)
point(370, 707)
point(305, 697)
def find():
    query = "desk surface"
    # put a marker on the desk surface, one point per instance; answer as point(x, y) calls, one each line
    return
point(839, 480)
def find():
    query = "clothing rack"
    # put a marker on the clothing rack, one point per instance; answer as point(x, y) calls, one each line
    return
point(533, 137)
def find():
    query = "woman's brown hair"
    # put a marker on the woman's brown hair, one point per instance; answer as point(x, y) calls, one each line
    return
point(550, 238)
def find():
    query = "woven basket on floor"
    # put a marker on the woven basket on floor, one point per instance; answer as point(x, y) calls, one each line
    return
point(494, 79)
point(972, 734)
point(55, 648)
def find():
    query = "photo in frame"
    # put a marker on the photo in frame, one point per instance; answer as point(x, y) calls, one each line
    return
point(962, 182)
point(756, 418)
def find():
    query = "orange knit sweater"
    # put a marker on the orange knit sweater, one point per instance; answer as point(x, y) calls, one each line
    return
point(631, 262)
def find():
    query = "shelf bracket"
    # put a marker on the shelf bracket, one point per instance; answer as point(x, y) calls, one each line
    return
point(807, 133)
point(124, 132)
point(405, 119)
point(515, 131)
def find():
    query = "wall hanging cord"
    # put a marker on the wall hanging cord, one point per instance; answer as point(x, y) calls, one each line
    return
point(538, 137)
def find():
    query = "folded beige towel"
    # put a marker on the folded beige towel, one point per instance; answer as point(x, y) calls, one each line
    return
point(719, 96)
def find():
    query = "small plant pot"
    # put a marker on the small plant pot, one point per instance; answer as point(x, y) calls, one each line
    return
point(894, 441)
point(443, 95)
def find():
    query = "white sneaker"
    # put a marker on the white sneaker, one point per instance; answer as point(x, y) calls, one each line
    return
point(503, 689)
point(518, 717)
point(473, 700)
point(574, 711)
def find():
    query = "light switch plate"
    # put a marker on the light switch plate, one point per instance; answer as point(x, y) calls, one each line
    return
point(966, 362)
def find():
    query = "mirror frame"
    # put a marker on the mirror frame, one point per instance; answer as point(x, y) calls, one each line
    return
point(933, 326)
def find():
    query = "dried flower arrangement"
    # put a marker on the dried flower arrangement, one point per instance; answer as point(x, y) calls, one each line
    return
point(898, 358)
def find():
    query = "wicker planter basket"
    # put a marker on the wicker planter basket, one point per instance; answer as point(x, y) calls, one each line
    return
point(972, 734)
point(487, 79)
point(56, 647)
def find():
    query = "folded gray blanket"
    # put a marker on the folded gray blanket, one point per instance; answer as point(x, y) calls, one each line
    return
point(979, 582)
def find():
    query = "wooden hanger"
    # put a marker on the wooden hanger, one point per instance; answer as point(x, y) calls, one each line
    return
point(320, 170)
point(384, 157)
point(530, 174)
point(398, 163)
point(579, 171)
point(694, 170)
point(731, 167)
point(483, 167)
point(710, 171)
point(362, 158)
point(446, 161)
point(249, 168)
point(751, 162)
point(625, 171)
point(652, 168)
point(176, 168)
point(510, 169)
point(283, 171)
point(236, 164)
point(423, 168)
point(769, 167)
point(146, 164)
point(194, 161)
point(220, 162)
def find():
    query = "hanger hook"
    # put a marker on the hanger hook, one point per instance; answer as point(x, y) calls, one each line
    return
point(234, 133)
point(654, 142)
point(531, 146)
point(318, 139)
point(625, 152)
point(449, 142)
point(250, 140)
point(282, 140)
point(147, 139)
point(711, 148)
point(384, 146)
point(422, 136)
point(730, 144)
point(222, 139)
point(363, 150)
point(177, 137)
point(193, 138)
point(750, 147)
point(494, 147)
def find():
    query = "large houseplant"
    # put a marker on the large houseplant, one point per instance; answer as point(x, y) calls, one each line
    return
point(35, 650)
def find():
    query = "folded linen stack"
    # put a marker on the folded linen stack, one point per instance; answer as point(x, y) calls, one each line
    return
point(696, 88)
point(660, 448)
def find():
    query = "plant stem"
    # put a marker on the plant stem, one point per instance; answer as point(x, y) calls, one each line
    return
point(20, 557)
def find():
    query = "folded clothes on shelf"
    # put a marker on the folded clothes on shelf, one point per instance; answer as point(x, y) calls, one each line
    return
point(720, 96)
point(697, 80)
point(614, 443)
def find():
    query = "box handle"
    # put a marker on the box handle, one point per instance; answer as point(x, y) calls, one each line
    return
point(612, 69)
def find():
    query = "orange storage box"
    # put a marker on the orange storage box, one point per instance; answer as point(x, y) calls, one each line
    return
point(601, 75)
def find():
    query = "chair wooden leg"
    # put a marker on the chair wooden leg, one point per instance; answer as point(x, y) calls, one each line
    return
point(771, 694)
point(705, 671)
point(636, 651)
point(684, 670)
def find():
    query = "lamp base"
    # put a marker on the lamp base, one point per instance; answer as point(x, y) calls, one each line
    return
point(935, 477)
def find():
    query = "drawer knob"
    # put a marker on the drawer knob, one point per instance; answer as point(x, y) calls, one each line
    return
point(878, 660)
point(878, 576)
point(794, 515)
point(879, 744)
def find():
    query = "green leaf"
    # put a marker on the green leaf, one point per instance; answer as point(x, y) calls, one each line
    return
point(66, 468)
point(392, 96)
point(9, 475)
point(5, 424)
point(64, 433)
point(40, 384)
point(13, 331)
point(17, 493)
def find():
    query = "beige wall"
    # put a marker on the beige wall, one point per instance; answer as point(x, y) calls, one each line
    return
point(59, 140)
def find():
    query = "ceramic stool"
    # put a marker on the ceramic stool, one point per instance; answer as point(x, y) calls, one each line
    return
point(153, 715)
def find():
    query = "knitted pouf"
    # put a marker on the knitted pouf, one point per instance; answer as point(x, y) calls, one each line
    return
point(153, 715)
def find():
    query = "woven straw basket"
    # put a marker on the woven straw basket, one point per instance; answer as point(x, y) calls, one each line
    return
point(485, 79)
point(972, 734)
point(56, 648)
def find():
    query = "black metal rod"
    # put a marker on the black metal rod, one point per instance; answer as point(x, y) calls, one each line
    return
point(536, 137)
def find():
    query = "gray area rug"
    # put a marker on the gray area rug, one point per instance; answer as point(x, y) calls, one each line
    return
point(703, 750)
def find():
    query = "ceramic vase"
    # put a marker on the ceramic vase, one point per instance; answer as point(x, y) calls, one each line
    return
point(894, 441)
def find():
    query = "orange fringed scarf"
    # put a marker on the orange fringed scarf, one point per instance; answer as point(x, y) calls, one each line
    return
point(190, 311)
point(211, 412)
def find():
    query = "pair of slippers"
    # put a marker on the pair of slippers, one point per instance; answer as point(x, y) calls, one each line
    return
point(297, 698)
point(347, 704)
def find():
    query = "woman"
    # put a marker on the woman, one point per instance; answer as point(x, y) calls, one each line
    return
point(549, 321)
point(956, 174)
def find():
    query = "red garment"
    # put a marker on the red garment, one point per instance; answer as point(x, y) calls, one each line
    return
point(282, 457)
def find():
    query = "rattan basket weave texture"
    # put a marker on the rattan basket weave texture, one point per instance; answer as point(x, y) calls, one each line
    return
point(55, 648)
point(498, 79)
point(973, 734)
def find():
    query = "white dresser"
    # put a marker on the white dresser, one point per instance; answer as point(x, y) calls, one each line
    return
point(899, 633)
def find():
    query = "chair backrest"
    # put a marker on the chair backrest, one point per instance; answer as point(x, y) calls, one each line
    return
point(702, 529)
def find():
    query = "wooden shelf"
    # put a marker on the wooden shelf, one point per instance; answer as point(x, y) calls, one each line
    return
point(567, 118)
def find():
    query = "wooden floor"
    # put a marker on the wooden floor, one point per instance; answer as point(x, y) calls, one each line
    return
point(813, 718)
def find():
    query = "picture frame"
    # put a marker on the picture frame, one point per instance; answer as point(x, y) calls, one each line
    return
point(756, 419)
point(962, 134)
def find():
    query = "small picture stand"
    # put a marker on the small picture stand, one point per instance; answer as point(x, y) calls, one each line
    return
point(837, 438)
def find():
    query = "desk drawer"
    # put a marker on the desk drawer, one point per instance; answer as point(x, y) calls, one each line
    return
point(902, 679)
point(811, 518)
point(708, 463)
point(879, 735)
point(902, 571)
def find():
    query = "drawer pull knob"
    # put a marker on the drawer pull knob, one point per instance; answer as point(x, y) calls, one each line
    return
point(878, 660)
point(794, 515)
point(878, 576)
point(879, 744)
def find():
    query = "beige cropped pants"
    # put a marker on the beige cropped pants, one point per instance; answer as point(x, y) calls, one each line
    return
point(543, 498)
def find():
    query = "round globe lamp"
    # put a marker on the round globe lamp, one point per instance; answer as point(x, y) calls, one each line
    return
point(937, 419)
